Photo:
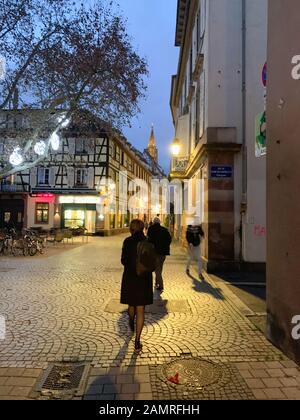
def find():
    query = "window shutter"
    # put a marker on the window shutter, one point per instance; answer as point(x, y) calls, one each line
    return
point(90, 145)
point(72, 146)
point(33, 177)
point(71, 173)
point(52, 173)
point(90, 179)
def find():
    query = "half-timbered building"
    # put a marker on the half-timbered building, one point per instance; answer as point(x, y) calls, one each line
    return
point(73, 187)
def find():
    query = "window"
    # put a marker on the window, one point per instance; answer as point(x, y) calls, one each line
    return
point(20, 217)
point(202, 18)
point(130, 165)
point(197, 116)
point(7, 216)
point(122, 158)
point(81, 146)
point(42, 213)
point(74, 219)
point(117, 154)
point(81, 177)
point(191, 65)
point(202, 106)
point(112, 150)
point(43, 176)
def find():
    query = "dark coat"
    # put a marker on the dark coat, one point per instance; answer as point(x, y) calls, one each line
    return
point(136, 290)
point(194, 234)
point(160, 237)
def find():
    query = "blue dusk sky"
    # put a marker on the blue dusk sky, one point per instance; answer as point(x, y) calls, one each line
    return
point(151, 24)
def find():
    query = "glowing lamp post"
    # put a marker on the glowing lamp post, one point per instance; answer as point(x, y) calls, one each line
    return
point(175, 147)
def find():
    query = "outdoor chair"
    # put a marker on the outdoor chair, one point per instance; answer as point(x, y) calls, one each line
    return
point(68, 235)
point(58, 237)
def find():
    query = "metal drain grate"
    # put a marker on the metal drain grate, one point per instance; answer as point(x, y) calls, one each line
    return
point(64, 377)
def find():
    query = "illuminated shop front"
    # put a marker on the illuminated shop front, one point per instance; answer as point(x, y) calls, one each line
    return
point(79, 212)
point(79, 216)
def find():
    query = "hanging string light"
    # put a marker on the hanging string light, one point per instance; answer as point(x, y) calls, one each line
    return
point(63, 121)
point(16, 157)
point(55, 141)
point(40, 148)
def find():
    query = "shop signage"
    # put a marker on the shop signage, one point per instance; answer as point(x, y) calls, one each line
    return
point(70, 199)
point(221, 171)
point(260, 135)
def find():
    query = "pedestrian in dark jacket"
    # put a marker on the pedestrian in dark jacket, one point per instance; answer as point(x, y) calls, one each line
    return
point(136, 291)
point(194, 235)
point(161, 239)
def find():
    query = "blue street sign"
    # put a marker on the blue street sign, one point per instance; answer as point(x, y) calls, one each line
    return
point(221, 171)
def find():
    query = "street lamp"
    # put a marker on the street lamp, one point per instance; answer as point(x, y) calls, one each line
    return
point(175, 147)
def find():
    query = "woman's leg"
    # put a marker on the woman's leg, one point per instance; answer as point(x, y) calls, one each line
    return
point(131, 313)
point(140, 319)
point(190, 257)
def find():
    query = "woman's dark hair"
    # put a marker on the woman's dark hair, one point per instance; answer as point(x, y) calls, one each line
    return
point(136, 226)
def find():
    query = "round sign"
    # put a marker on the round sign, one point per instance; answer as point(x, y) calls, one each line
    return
point(264, 75)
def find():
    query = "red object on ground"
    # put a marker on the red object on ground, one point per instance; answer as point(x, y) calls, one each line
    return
point(174, 379)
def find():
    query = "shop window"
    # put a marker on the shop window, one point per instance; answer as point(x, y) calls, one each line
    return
point(127, 219)
point(42, 213)
point(7, 216)
point(20, 217)
point(120, 220)
point(112, 221)
point(43, 176)
point(74, 219)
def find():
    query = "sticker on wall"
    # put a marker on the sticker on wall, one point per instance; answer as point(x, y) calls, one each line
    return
point(260, 136)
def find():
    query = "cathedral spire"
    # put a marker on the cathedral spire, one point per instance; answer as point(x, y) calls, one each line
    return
point(152, 149)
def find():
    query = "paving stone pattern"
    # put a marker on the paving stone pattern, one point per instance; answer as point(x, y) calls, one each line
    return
point(65, 308)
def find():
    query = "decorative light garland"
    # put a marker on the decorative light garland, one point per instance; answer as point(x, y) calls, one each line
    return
point(40, 148)
point(63, 121)
point(16, 157)
point(55, 141)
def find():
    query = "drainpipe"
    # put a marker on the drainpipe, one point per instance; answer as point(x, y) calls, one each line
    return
point(244, 117)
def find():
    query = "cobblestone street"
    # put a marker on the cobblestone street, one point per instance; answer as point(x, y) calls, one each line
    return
point(65, 308)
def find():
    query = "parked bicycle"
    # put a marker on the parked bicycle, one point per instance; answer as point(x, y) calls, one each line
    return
point(26, 243)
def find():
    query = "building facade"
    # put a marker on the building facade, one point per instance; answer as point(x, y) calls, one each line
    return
point(283, 256)
point(218, 104)
point(84, 185)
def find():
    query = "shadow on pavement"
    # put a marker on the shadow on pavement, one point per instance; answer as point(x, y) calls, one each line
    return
point(117, 382)
point(202, 286)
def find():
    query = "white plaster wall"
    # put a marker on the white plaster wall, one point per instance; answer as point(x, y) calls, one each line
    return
point(224, 65)
point(256, 50)
point(31, 212)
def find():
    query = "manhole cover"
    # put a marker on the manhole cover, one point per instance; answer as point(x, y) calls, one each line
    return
point(192, 373)
point(64, 378)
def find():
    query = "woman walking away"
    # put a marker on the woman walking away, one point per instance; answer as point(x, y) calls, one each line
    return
point(136, 290)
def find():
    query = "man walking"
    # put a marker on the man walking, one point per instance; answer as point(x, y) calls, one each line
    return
point(161, 239)
point(194, 234)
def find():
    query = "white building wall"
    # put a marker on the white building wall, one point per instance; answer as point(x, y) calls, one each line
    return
point(223, 69)
point(31, 206)
point(224, 64)
point(256, 50)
